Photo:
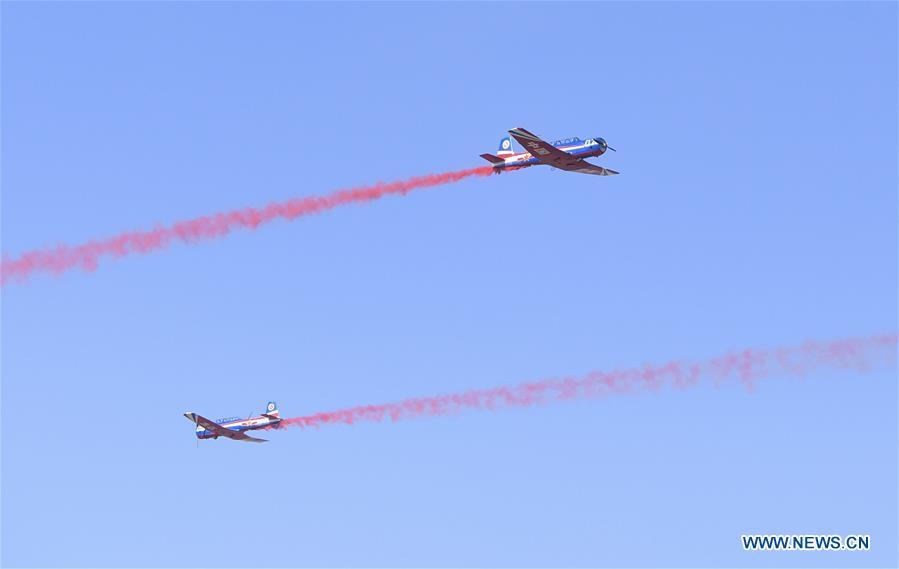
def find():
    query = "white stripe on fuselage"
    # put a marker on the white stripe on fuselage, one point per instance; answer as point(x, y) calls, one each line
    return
point(511, 160)
point(246, 423)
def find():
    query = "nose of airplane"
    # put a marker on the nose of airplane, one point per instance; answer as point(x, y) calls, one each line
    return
point(603, 144)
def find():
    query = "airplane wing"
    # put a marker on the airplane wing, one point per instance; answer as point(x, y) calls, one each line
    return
point(220, 430)
point(549, 154)
point(587, 168)
point(240, 436)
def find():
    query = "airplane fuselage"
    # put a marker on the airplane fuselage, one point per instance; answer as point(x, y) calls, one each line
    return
point(238, 424)
point(575, 147)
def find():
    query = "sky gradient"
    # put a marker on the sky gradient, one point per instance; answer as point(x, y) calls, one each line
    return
point(756, 207)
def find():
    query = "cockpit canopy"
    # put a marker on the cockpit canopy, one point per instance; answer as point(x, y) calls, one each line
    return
point(566, 141)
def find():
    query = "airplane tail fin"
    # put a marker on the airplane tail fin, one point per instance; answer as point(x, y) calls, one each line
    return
point(493, 159)
point(271, 410)
point(505, 147)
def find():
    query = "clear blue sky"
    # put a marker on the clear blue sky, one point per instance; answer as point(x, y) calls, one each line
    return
point(757, 205)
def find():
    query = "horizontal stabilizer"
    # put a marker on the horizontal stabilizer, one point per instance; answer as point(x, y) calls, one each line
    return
point(493, 159)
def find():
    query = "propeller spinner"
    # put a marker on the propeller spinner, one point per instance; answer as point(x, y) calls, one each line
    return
point(603, 144)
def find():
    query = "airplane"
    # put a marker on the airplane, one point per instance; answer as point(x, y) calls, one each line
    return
point(235, 427)
point(567, 154)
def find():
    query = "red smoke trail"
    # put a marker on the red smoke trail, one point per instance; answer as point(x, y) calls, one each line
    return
point(87, 256)
point(748, 366)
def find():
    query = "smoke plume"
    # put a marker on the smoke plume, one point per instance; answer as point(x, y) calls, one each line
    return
point(88, 256)
point(747, 366)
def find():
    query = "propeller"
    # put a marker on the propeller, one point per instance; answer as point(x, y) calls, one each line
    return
point(604, 144)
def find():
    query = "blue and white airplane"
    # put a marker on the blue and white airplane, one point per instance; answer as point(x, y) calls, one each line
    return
point(567, 154)
point(235, 427)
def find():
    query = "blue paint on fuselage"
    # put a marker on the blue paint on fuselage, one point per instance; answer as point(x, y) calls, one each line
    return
point(204, 434)
point(594, 149)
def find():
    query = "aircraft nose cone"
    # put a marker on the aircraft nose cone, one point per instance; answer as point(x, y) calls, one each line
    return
point(603, 144)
